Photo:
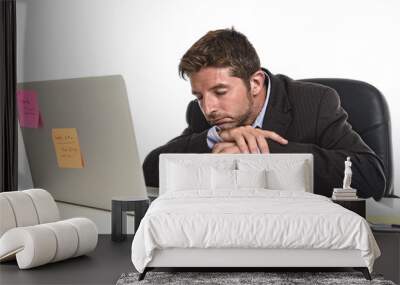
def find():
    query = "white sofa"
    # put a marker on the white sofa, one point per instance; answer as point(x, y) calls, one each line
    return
point(32, 233)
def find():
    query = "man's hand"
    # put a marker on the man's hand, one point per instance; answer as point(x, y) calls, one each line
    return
point(225, 147)
point(249, 139)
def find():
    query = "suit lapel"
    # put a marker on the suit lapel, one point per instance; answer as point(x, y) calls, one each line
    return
point(277, 121)
point(278, 115)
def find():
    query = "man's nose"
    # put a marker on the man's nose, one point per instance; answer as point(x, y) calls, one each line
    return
point(210, 104)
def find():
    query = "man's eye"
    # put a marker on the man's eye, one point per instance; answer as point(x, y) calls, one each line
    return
point(220, 92)
point(199, 98)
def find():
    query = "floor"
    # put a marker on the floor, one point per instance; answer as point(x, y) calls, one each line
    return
point(110, 259)
point(103, 266)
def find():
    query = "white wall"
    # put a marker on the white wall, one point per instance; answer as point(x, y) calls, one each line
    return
point(144, 40)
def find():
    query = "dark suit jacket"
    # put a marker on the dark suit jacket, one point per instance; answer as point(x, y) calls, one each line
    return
point(310, 117)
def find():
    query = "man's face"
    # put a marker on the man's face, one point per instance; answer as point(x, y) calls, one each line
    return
point(224, 99)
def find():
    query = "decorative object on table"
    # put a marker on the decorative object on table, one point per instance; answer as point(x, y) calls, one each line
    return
point(32, 233)
point(347, 174)
point(242, 278)
point(120, 205)
point(346, 192)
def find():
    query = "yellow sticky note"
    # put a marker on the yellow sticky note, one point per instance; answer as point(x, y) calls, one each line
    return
point(68, 151)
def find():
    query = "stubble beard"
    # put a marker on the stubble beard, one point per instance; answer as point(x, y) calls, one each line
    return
point(243, 119)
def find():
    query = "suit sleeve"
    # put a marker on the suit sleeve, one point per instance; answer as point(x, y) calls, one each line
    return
point(188, 142)
point(335, 141)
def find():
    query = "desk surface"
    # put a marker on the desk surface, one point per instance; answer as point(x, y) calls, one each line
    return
point(102, 266)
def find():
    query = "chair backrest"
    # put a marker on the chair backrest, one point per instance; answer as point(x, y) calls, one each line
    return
point(369, 116)
point(26, 208)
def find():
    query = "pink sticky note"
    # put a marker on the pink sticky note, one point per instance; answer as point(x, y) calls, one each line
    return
point(28, 109)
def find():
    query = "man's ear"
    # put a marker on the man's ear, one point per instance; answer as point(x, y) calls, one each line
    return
point(257, 82)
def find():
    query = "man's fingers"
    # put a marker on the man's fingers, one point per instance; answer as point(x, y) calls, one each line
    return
point(274, 136)
point(262, 144)
point(225, 147)
point(249, 139)
point(251, 142)
point(231, 149)
point(241, 143)
point(219, 147)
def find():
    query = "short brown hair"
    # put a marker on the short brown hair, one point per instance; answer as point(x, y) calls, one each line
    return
point(221, 48)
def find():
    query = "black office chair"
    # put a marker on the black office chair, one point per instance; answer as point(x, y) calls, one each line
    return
point(369, 116)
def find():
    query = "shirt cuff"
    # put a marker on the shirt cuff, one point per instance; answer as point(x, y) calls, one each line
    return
point(213, 137)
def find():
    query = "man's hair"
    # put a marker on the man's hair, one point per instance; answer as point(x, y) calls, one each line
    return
point(222, 48)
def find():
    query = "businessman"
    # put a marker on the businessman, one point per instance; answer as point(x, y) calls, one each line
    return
point(243, 108)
